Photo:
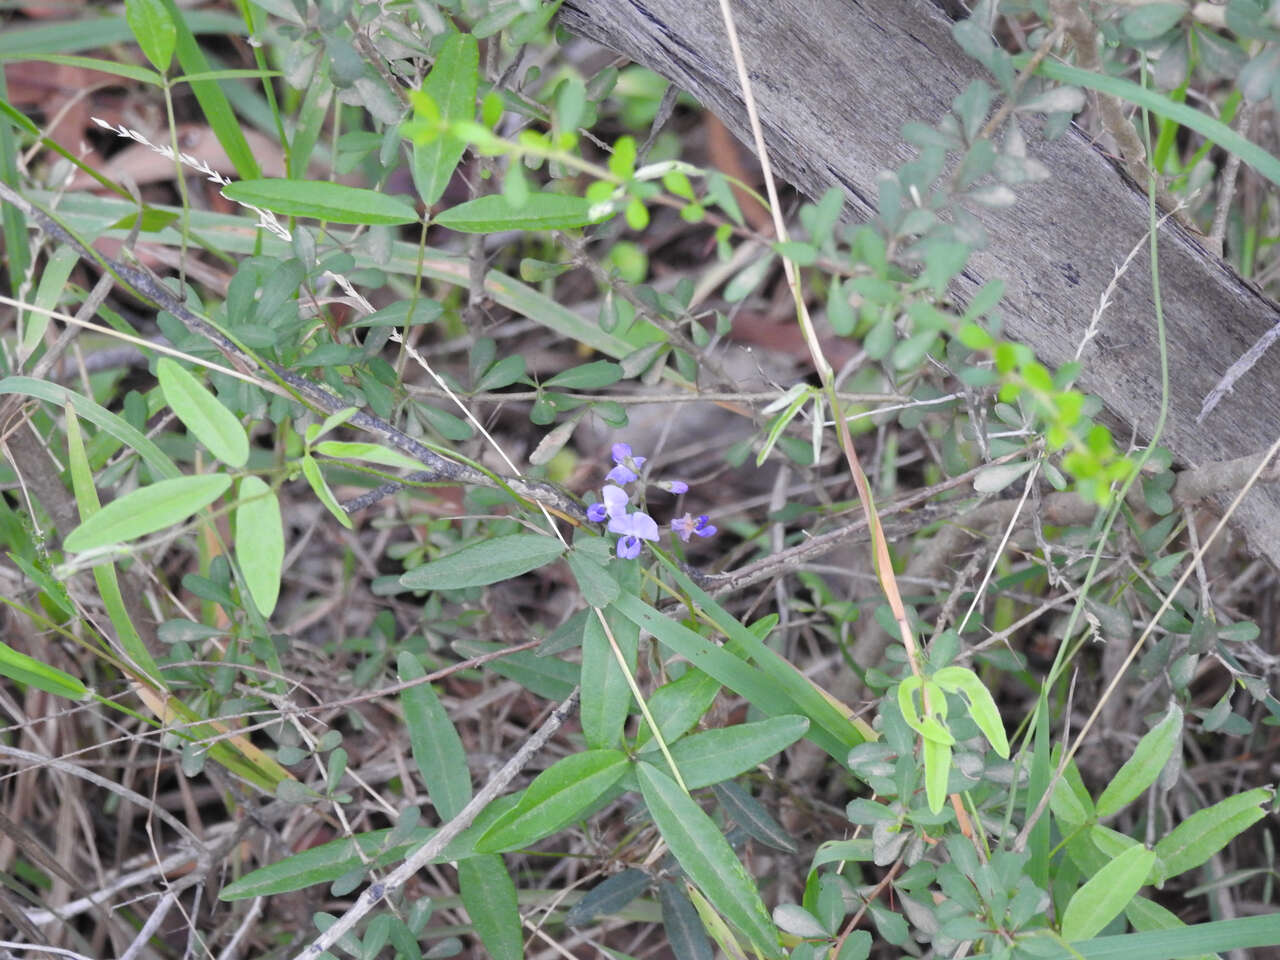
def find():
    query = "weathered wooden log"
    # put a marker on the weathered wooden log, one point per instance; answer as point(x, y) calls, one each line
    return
point(834, 81)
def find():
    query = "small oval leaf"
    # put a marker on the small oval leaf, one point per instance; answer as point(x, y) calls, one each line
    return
point(260, 542)
point(147, 510)
point(203, 414)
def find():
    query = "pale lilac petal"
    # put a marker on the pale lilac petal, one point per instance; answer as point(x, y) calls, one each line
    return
point(620, 452)
point(620, 474)
point(597, 512)
point(628, 548)
point(615, 500)
point(677, 486)
point(644, 526)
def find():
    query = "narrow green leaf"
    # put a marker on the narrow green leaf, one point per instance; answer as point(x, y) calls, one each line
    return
point(556, 798)
point(937, 771)
point(598, 587)
point(487, 562)
point(1141, 769)
point(1107, 893)
point(130, 71)
point(685, 933)
point(31, 672)
point(768, 692)
point(213, 102)
point(131, 643)
point(451, 85)
point(323, 864)
point(203, 414)
point(154, 30)
point(677, 706)
point(322, 200)
point(540, 211)
point(489, 895)
point(311, 470)
point(437, 748)
point(368, 452)
point(715, 755)
point(1207, 831)
point(748, 813)
point(606, 695)
point(98, 415)
point(705, 855)
point(1214, 130)
point(807, 698)
point(608, 898)
point(147, 510)
point(260, 542)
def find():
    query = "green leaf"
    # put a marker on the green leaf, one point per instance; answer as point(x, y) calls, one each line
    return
point(606, 694)
point(1207, 831)
point(937, 771)
point(437, 748)
point(487, 562)
point(130, 641)
point(599, 589)
point(154, 30)
point(489, 895)
point(684, 930)
point(203, 414)
point(311, 470)
point(451, 85)
point(982, 707)
point(26, 670)
point(502, 374)
point(147, 510)
point(1213, 130)
point(1102, 899)
point(1141, 769)
point(556, 798)
point(128, 70)
point(99, 416)
point(323, 864)
point(705, 855)
point(1152, 20)
point(260, 542)
point(677, 706)
point(332, 202)
point(715, 755)
point(540, 211)
point(368, 452)
point(777, 690)
point(589, 376)
point(213, 102)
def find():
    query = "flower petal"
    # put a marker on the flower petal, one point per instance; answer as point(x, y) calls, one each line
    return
point(644, 526)
point(615, 500)
point(628, 548)
point(597, 512)
point(620, 452)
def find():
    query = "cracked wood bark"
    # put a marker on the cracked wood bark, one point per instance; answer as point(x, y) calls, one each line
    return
point(835, 80)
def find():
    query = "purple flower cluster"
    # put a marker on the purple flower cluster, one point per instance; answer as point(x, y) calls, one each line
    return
point(636, 525)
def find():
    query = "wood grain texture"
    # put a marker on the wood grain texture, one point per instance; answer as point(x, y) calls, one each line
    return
point(835, 80)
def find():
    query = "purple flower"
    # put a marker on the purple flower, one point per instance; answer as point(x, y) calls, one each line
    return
point(626, 465)
point(686, 526)
point(633, 527)
point(597, 512)
point(674, 486)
